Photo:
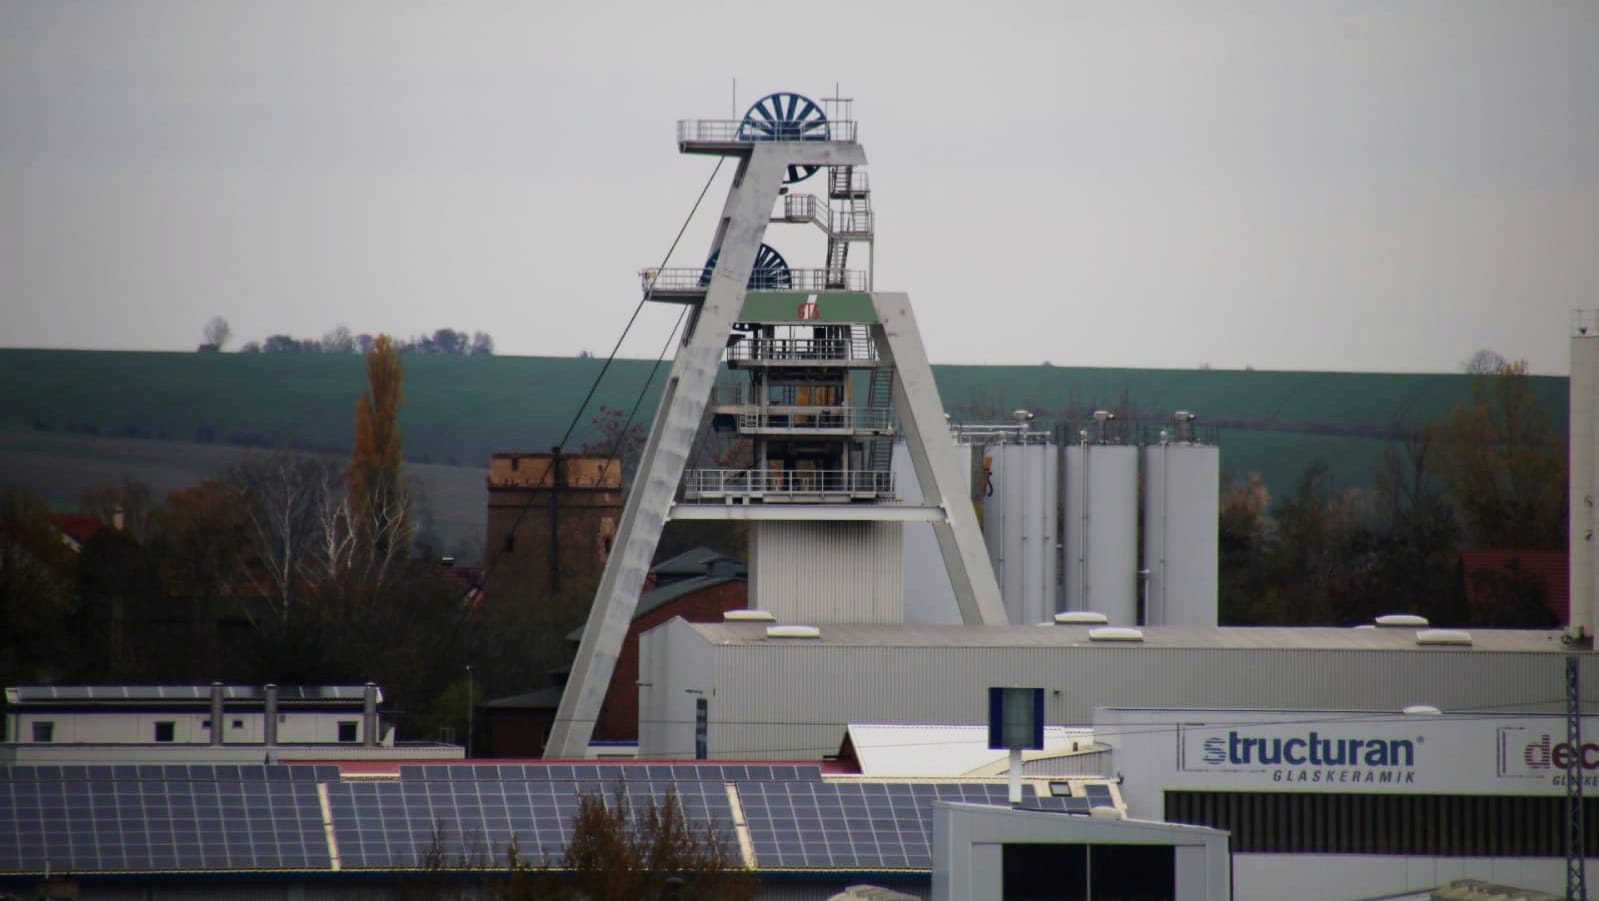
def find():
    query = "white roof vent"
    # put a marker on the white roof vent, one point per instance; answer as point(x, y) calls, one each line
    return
point(1115, 633)
point(1410, 620)
point(1421, 710)
point(1443, 636)
point(1105, 813)
point(793, 632)
point(748, 616)
point(1365, 626)
point(1081, 618)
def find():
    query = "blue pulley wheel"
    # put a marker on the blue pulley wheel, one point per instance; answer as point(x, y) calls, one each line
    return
point(785, 116)
point(770, 272)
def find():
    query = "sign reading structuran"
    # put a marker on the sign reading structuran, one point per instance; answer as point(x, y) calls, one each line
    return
point(776, 306)
point(1347, 752)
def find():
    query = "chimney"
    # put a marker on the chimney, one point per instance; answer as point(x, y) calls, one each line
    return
point(218, 727)
point(369, 717)
point(269, 718)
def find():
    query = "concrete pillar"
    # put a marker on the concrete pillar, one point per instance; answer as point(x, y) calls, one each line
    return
point(369, 717)
point(1584, 480)
point(269, 717)
point(218, 727)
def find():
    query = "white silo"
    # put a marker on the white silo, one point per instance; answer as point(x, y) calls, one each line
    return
point(1019, 516)
point(1101, 522)
point(1182, 488)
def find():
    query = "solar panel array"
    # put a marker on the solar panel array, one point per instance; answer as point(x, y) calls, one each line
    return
point(609, 772)
point(388, 825)
point(232, 817)
point(122, 818)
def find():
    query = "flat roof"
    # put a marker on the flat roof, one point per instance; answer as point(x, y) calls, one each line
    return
point(1523, 641)
point(55, 694)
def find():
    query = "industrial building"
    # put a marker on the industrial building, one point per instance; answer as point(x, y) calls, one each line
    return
point(1046, 581)
point(161, 724)
point(1190, 760)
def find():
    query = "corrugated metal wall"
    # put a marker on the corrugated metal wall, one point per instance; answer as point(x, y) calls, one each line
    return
point(1101, 533)
point(828, 572)
point(1182, 496)
point(793, 700)
point(1019, 528)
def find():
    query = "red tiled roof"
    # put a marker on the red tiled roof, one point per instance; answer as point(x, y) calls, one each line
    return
point(78, 526)
point(1548, 568)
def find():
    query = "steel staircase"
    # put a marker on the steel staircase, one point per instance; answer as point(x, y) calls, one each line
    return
point(880, 396)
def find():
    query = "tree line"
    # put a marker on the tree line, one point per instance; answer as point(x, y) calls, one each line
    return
point(1490, 474)
point(445, 342)
point(288, 567)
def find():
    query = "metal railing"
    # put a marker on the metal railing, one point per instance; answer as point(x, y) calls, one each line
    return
point(818, 419)
point(734, 131)
point(804, 350)
point(809, 208)
point(695, 281)
point(717, 484)
point(847, 180)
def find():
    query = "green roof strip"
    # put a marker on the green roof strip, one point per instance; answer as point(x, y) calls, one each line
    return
point(799, 307)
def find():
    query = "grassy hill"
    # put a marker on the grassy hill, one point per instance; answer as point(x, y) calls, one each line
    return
point(70, 420)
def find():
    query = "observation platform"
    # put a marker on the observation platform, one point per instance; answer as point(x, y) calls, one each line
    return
point(690, 285)
point(819, 486)
point(731, 136)
point(795, 421)
point(791, 353)
point(734, 510)
point(849, 224)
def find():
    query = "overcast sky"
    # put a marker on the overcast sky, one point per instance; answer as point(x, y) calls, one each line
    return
point(1341, 186)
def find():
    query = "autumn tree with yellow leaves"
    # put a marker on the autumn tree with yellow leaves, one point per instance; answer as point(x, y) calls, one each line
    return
point(379, 509)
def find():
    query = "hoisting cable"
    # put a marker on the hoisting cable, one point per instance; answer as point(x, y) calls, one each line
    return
point(494, 555)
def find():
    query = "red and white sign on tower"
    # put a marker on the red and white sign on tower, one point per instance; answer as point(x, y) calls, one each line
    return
point(808, 309)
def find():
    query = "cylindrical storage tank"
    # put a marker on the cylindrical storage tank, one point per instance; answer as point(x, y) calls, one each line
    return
point(1182, 488)
point(1584, 396)
point(1101, 534)
point(1019, 516)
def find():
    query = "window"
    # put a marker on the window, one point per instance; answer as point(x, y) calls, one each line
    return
point(165, 730)
point(1407, 824)
point(347, 731)
point(238, 724)
point(44, 732)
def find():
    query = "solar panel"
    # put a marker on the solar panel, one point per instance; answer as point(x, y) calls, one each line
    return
point(252, 817)
point(851, 825)
point(1099, 795)
point(407, 823)
point(610, 772)
point(96, 823)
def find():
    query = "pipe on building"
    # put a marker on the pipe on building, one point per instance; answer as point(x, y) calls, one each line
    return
point(218, 727)
point(369, 717)
point(269, 719)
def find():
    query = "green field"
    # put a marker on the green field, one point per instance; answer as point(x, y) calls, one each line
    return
point(71, 420)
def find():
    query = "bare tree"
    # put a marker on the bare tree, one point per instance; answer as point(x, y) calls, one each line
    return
point(284, 495)
point(1484, 362)
point(338, 340)
point(217, 332)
